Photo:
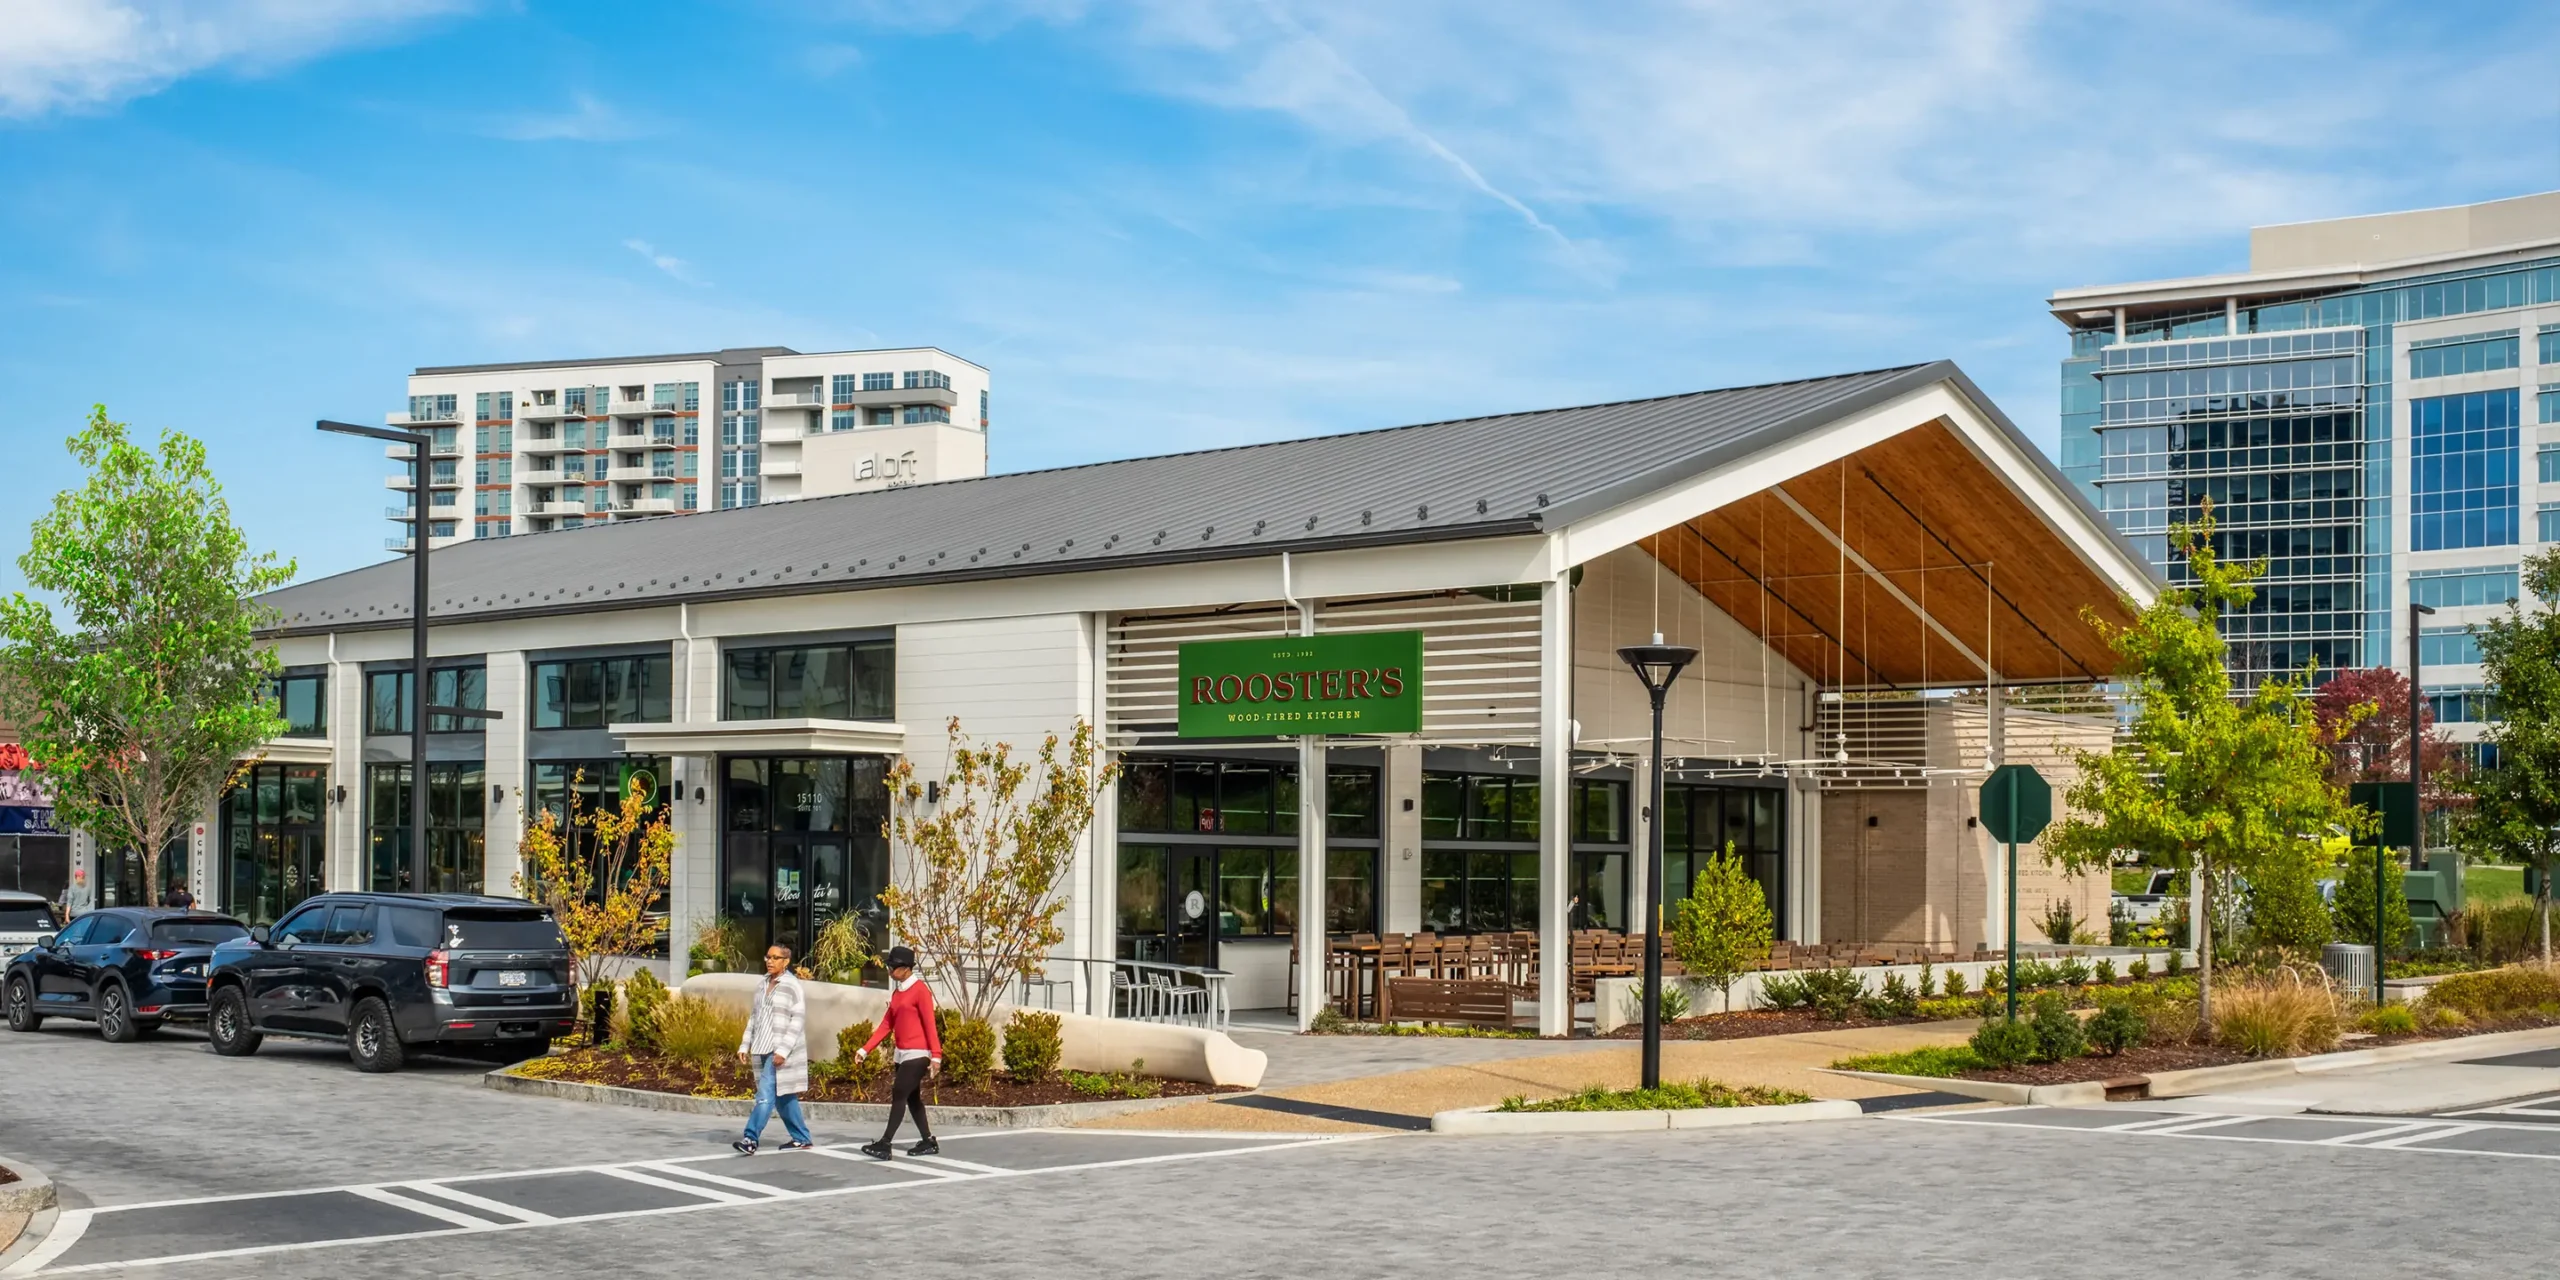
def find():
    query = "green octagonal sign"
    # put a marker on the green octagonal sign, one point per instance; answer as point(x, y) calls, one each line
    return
point(2017, 803)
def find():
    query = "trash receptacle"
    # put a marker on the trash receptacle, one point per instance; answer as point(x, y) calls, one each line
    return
point(2350, 963)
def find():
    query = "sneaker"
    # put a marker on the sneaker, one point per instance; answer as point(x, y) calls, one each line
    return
point(928, 1147)
point(876, 1150)
point(796, 1145)
point(744, 1147)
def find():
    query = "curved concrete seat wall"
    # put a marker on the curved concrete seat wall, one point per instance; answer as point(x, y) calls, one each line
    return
point(1091, 1043)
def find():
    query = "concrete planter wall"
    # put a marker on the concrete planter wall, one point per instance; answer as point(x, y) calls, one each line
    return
point(1613, 997)
point(1485, 1122)
point(1091, 1043)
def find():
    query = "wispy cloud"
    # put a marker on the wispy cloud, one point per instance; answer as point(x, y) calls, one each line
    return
point(71, 55)
point(667, 262)
point(587, 119)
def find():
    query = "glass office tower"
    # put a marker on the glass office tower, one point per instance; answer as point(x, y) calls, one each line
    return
point(2362, 425)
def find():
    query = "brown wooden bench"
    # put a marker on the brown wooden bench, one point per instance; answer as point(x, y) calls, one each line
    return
point(1475, 1001)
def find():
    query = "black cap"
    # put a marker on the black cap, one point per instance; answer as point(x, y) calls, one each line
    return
point(902, 957)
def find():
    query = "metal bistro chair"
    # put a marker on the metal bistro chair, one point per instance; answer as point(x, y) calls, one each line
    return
point(1132, 998)
point(1176, 999)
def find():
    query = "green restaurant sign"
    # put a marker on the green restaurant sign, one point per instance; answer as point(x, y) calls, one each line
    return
point(1352, 682)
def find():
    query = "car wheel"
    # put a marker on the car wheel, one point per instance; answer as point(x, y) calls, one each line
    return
point(115, 1014)
point(22, 1006)
point(372, 1041)
point(227, 1024)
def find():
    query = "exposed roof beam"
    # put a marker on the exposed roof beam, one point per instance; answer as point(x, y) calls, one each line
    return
point(1978, 574)
point(1775, 594)
point(1887, 583)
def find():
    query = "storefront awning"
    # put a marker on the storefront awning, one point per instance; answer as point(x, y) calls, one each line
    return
point(295, 751)
point(764, 737)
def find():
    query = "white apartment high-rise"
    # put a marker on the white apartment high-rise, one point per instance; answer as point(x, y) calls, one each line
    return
point(539, 445)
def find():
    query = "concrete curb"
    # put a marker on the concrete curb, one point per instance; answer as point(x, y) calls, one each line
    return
point(2179, 1084)
point(1482, 1121)
point(32, 1194)
point(2077, 1093)
point(863, 1113)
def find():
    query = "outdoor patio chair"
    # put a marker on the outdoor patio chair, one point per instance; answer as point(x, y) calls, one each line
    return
point(1176, 999)
point(1132, 998)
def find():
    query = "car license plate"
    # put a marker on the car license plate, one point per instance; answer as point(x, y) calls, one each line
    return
point(511, 978)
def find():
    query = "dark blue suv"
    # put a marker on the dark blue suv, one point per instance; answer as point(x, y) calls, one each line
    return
point(392, 973)
point(126, 969)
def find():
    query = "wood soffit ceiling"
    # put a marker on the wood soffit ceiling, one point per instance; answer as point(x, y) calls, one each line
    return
point(1936, 522)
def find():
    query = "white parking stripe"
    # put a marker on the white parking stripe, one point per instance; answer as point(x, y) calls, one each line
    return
point(2445, 1132)
point(483, 1203)
point(75, 1221)
point(421, 1208)
point(682, 1170)
point(672, 1184)
point(2362, 1135)
point(2208, 1122)
point(2152, 1123)
point(899, 1166)
point(963, 1165)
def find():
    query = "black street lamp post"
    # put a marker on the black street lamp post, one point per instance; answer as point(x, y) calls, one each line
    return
point(421, 536)
point(1657, 665)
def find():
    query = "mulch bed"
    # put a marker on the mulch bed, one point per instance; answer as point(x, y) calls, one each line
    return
point(730, 1080)
point(1750, 1023)
point(2155, 1058)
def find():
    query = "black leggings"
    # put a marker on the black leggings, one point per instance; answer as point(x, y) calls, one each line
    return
point(906, 1093)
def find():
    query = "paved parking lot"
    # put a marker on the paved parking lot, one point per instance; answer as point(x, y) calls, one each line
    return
point(175, 1153)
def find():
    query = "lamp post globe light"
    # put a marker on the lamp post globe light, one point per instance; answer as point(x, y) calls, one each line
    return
point(1657, 665)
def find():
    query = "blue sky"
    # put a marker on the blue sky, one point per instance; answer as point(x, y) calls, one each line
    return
point(1164, 224)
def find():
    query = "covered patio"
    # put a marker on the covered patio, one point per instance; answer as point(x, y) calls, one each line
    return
point(1890, 589)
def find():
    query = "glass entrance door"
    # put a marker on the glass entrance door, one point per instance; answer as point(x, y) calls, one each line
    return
point(273, 842)
point(1191, 912)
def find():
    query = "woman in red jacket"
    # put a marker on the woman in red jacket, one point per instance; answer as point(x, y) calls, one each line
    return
point(910, 1019)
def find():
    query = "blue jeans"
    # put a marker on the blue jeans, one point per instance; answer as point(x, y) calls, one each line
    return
point(767, 1104)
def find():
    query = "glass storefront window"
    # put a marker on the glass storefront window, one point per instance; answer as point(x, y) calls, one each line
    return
point(274, 844)
point(1701, 821)
point(590, 693)
point(457, 800)
point(851, 681)
point(1228, 828)
point(390, 700)
point(302, 702)
point(601, 784)
point(1470, 888)
point(801, 844)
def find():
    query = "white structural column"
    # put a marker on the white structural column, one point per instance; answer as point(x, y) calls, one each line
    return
point(1995, 752)
point(1102, 869)
point(1555, 805)
point(1400, 855)
point(503, 746)
point(1311, 825)
point(347, 853)
point(1640, 852)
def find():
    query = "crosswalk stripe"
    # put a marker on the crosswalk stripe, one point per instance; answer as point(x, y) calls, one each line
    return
point(2208, 1122)
point(962, 1165)
point(2445, 1131)
point(2153, 1123)
point(683, 1170)
point(2360, 1136)
point(421, 1208)
point(483, 1203)
point(670, 1184)
point(909, 1165)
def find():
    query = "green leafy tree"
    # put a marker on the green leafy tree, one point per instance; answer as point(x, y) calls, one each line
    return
point(1723, 925)
point(142, 697)
point(2285, 907)
point(988, 861)
point(2201, 779)
point(2516, 806)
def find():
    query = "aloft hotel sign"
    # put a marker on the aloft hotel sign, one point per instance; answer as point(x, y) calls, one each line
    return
point(1352, 682)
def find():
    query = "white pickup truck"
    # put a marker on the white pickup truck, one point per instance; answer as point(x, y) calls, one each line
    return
point(2150, 906)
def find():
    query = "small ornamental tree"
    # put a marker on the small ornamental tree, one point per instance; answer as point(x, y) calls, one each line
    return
point(142, 701)
point(2351, 911)
point(983, 867)
point(2202, 779)
point(2518, 802)
point(599, 871)
point(2364, 722)
point(1723, 925)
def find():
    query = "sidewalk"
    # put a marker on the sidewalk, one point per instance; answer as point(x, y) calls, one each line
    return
point(1445, 1074)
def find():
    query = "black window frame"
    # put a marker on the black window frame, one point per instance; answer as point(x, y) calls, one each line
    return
point(870, 687)
point(1253, 816)
point(473, 695)
point(279, 694)
point(1483, 845)
point(544, 713)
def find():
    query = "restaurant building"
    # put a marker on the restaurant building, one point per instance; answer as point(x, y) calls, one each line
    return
point(1359, 683)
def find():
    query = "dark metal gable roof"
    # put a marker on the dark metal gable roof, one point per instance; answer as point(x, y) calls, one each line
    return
point(1468, 478)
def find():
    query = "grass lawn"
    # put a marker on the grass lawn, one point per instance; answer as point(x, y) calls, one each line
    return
point(2131, 879)
point(2485, 884)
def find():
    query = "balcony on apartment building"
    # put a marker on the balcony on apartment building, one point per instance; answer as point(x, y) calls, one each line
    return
point(644, 507)
point(944, 396)
point(418, 418)
point(546, 412)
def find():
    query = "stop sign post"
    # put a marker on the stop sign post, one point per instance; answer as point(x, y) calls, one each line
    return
point(2017, 804)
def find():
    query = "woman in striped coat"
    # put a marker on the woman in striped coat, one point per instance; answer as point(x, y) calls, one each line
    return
point(776, 1048)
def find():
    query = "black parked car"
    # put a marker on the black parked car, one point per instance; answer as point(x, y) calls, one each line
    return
point(391, 972)
point(126, 968)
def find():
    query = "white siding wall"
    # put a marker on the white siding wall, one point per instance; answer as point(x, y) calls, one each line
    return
point(1013, 680)
point(503, 745)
